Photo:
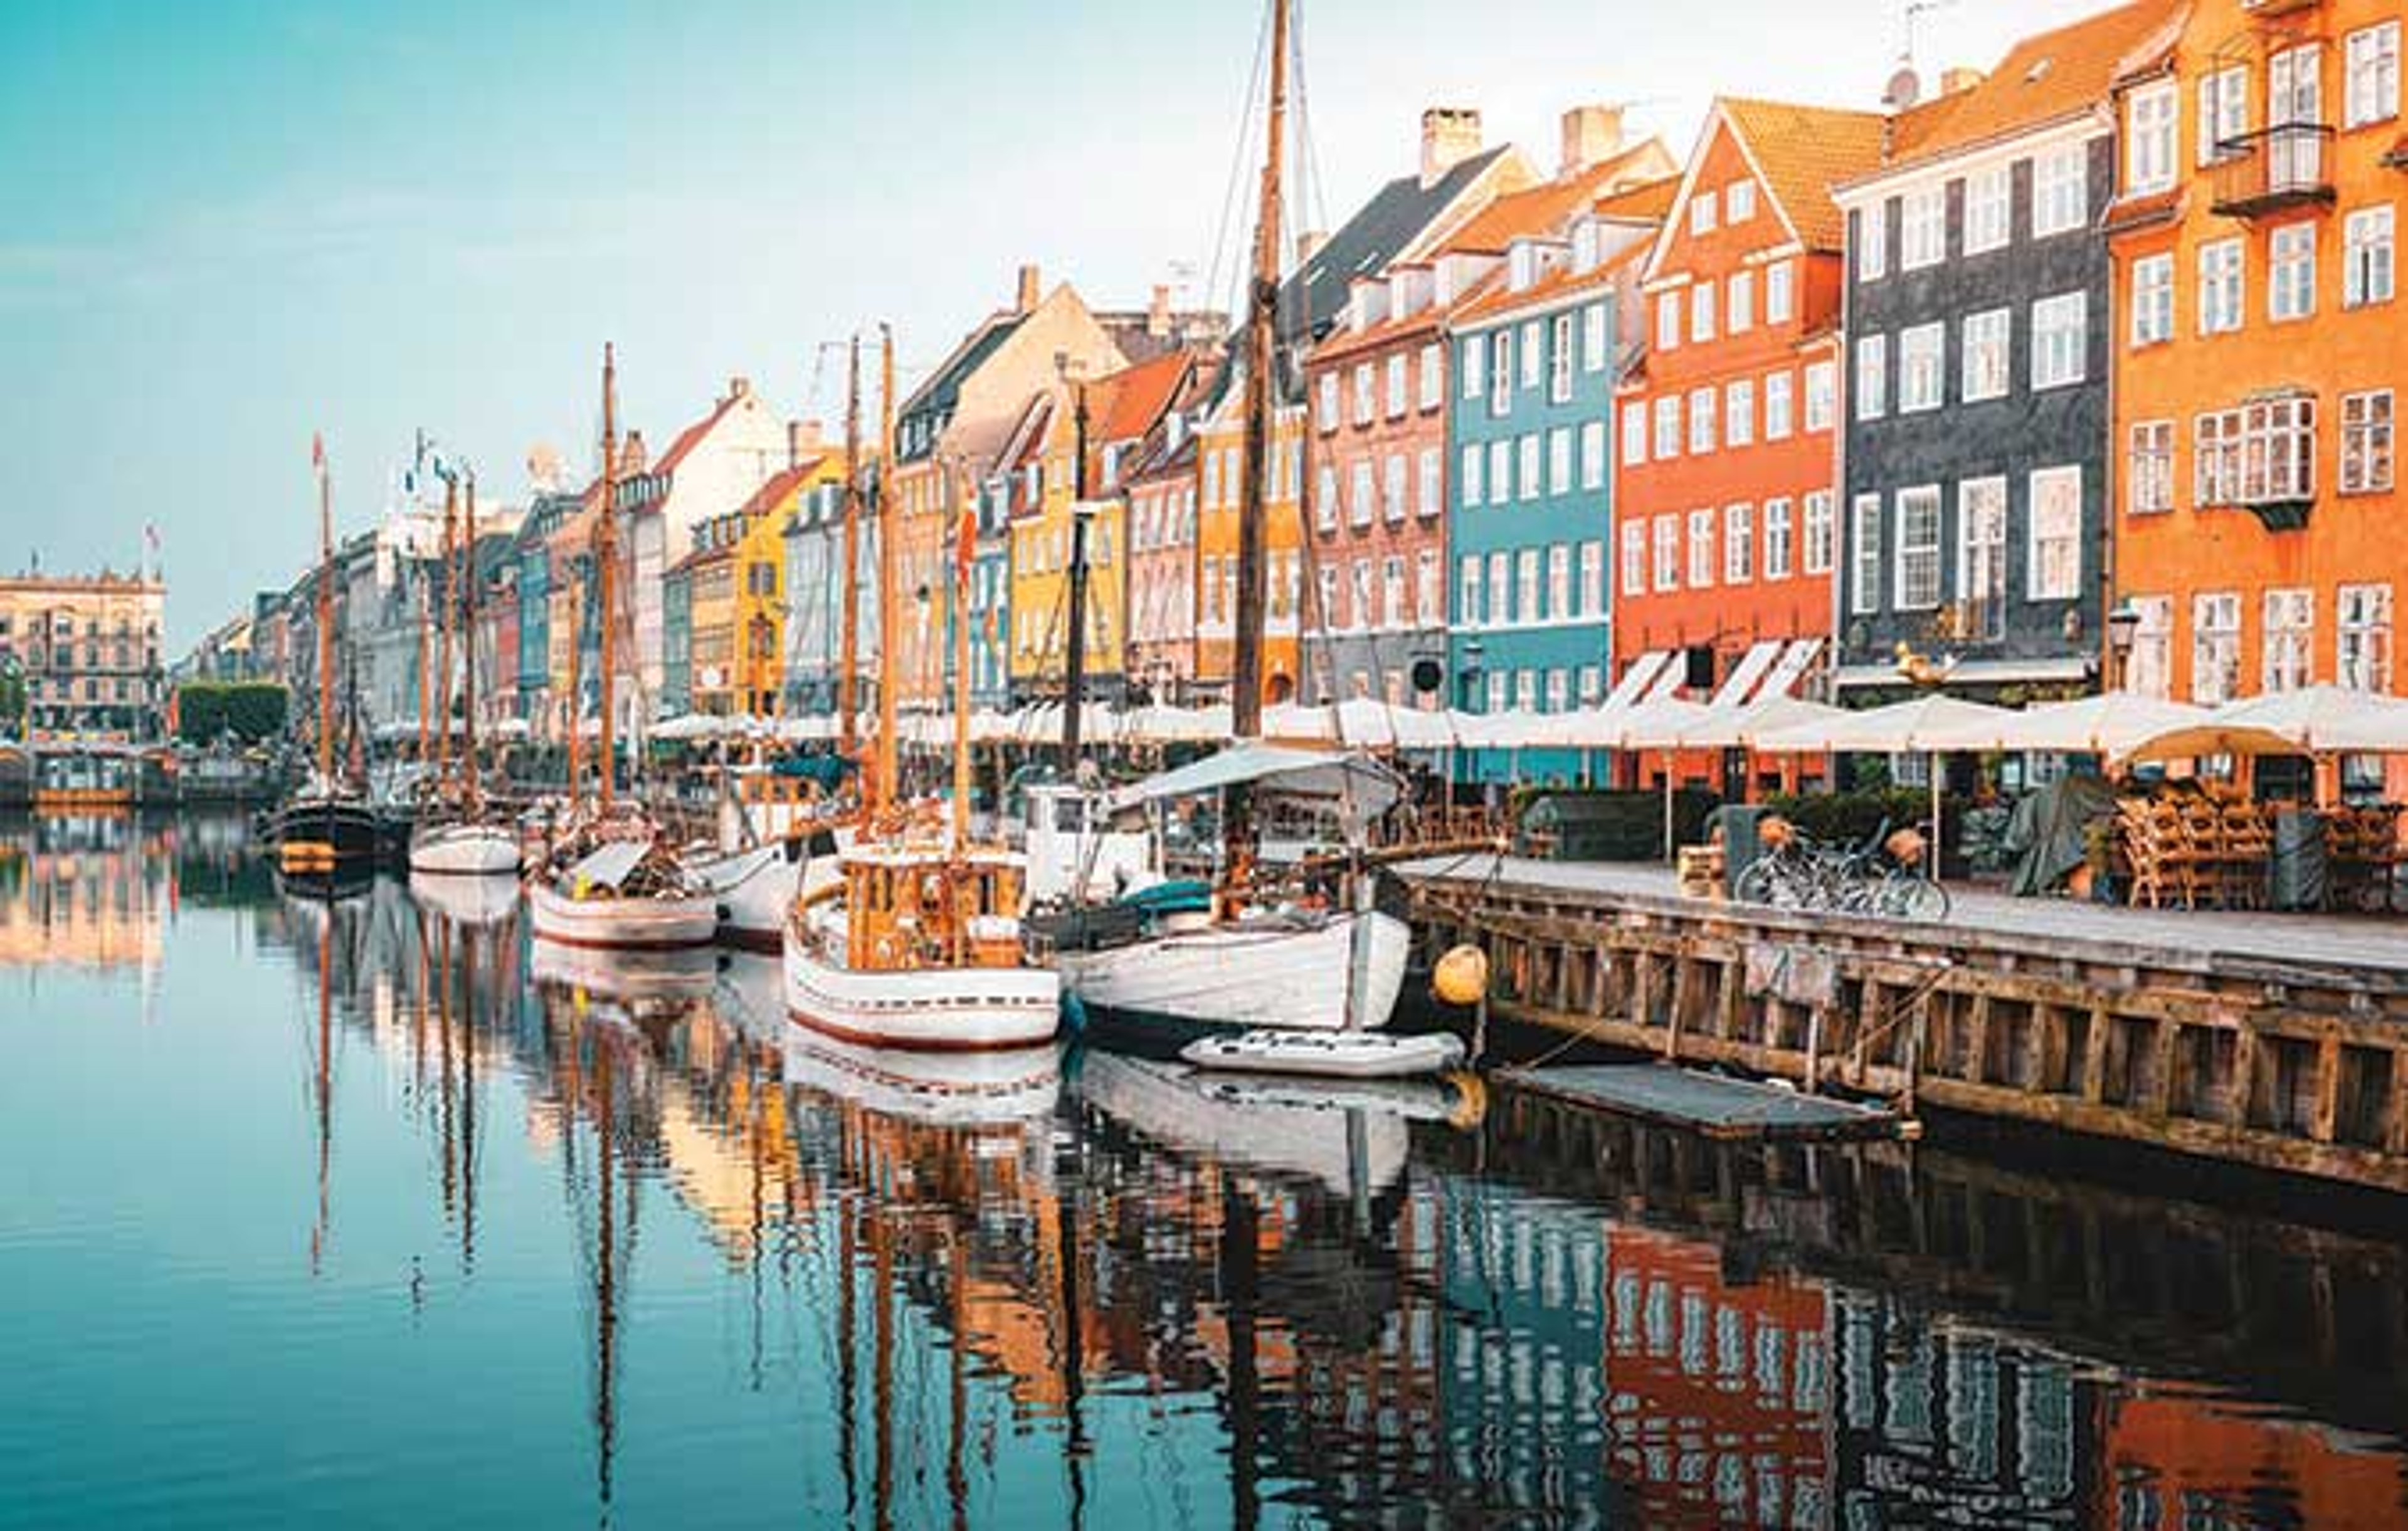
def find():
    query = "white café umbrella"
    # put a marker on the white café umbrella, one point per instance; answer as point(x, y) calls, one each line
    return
point(2311, 721)
point(1926, 725)
point(1658, 725)
point(2110, 724)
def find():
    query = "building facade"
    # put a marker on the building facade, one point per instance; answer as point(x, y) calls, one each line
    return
point(815, 595)
point(86, 650)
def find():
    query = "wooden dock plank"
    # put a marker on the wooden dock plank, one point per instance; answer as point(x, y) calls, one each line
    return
point(1709, 1103)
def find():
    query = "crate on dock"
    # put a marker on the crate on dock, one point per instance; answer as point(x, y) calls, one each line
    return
point(1700, 870)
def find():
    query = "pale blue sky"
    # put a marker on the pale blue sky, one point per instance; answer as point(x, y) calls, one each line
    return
point(230, 224)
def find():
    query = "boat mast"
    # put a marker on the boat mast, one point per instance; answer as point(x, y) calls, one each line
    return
point(848, 705)
point(443, 628)
point(1074, 669)
point(1237, 828)
point(426, 680)
point(965, 551)
point(325, 615)
point(468, 643)
point(606, 553)
point(889, 755)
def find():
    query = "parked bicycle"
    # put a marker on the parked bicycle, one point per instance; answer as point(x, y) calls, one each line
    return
point(1884, 876)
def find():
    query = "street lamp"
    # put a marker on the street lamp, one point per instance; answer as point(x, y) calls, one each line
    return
point(2123, 628)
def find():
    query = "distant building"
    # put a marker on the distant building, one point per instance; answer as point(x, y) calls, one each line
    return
point(88, 649)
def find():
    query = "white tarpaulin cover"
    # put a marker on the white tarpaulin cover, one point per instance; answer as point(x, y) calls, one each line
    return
point(609, 866)
point(1362, 785)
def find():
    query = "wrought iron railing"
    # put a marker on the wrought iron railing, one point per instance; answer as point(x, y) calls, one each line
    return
point(2272, 168)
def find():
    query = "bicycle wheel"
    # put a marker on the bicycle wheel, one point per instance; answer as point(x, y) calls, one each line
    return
point(1759, 884)
point(1915, 897)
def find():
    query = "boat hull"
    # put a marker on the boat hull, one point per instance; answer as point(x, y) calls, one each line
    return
point(464, 849)
point(937, 1009)
point(621, 925)
point(753, 891)
point(1236, 978)
point(352, 828)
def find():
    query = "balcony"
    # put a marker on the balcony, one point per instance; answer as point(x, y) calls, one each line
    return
point(2273, 170)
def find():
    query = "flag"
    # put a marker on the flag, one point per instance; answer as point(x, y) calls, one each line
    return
point(964, 546)
point(317, 452)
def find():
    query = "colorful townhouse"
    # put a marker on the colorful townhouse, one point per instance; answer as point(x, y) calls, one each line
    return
point(1539, 345)
point(531, 550)
point(1725, 504)
point(815, 598)
point(1975, 462)
point(950, 434)
point(1162, 572)
point(1214, 491)
point(2259, 345)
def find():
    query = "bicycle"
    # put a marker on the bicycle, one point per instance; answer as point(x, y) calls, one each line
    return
point(1882, 876)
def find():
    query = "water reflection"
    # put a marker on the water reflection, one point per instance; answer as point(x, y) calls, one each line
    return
point(835, 1286)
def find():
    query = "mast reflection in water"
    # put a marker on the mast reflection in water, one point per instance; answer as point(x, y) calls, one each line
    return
point(548, 1240)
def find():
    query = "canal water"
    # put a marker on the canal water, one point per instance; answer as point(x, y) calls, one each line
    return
point(374, 1213)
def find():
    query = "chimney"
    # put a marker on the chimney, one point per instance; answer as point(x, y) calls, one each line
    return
point(1958, 78)
point(1308, 245)
point(1592, 135)
point(802, 440)
point(632, 460)
point(1157, 312)
point(1025, 303)
point(1450, 136)
point(739, 387)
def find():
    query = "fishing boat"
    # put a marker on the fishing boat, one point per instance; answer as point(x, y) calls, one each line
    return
point(611, 879)
point(455, 831)
point(326, 829)
point(916, 944)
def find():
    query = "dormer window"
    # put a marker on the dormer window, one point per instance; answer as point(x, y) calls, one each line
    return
point(1585, 247)
point(1522, 265)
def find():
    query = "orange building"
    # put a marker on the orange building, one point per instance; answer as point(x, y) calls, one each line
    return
point(2258, 346)
point(1219, 489)
point(1724, 506)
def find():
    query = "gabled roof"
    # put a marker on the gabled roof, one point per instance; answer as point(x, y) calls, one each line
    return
point(692, 435)
point(1546, 208)
point(1650, 202)
point(782, 483)
point(2046, 78)
point(1139, 394)
point(941, 389)
point(1313, 295)
point(1802, 152)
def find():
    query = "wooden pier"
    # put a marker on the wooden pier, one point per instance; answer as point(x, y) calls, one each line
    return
point(2277, 1041)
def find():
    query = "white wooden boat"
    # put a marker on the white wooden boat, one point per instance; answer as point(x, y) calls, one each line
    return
point(587, 906)
point(463, 848)
point(1274, 970)
point(756, 888)
point(946, 1008)
point(1343, 1056)
point(465, 900)
point(942, 1089)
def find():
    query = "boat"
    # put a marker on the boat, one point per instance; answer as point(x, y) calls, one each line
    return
point(326, 829)
point(1343, 1054)
point(470, 901)
point(455, 831)
point(755, 889)
point(941, 1089)
point(916, 942)
point(611, 879)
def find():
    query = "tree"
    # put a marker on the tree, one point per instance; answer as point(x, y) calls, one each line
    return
point(250, 710)
point(12, 696)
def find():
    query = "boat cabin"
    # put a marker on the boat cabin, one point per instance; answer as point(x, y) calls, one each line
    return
point(1076, 850)
point(908, 908)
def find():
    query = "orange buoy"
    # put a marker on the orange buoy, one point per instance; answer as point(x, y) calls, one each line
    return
point(1461, 976)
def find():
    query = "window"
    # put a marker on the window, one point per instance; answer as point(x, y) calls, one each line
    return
point(1467, 611)
point(2061, 190)
point(1739, 412)
point(1739, 201)
point(1592, 684)
point(1530, 355)
point(2371, 63)
point(1432, 500)
point(1738, 544)
point(1471, 475)
point(1702, 311)
point(2290, 639)
point(2216, 459)
point(1433, 389)
point(1560, 582)
point(1391, 591)
point(1501, 470)
point(1701, 549)
point(1779, 550)
point(2059, 326)
point(2362, 621)
point(1701, 420)
point(1822, 395)
point(2366, 268)
point(1594, 338)
point(1500, 372)
point(1918, 548)
point(1739, 304)
point(2291, 272)
point(1500, 588)
point(1560, 360)
point(1777, 418)
point(1668, 552)
point(1988, 340)
point(2150, 115)
point(1526, 453)
point(2148, 670)
point(1923, 228)
point(1212, 477)
point(1364, 405)
point(1780, 298)
point(1498, 681)
point(2294, 94)
point(1668, 321)
point(1397, 386)
point(2220, 287)
point(1525, 690)
point(2278, 451)
point(1558, 689)
point(2216, 646)
point(1668, 426)
point(2152, 471)
point(1429, 605)
point(1592, 454)
point(2223, 112)
point(1981, 558)
point(1325, 410)
point(1873, 243)
point(1634, 558)
point(1592, 579)
point(1526, 586)
point(1634, 434)
point(2366, 442)
point(1559, 460)
point(1360, 510)
point(2153, 300)
point(1865, 530)
point(1475, 372)
point(2055, 572)
point(1987, 203)
point(1701, 213)
point(1817, 532)
point(1921, 354)
point(1359, 614)
point(1325, 499)
point(1872, 376)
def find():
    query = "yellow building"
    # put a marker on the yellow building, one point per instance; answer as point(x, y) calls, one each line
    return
point(87, 649)
point(737, 584)
point(1220, 468)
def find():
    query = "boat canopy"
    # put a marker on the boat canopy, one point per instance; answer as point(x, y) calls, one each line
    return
point(609, 866)
point(1359, 786)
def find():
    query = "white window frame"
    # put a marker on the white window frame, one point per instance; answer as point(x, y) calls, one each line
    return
point(1817, 533)
point(2371, 75)
point(1987, 365)
point(1989, 210)
point(2153, 300)
point(1872, 241)
point(1780, 539)
point(1703, 437)
point(2060, 189)
point(1738, 544)
point(1526, 466)
point(1865, 555)
point(1668, 319)
point(2370, 256)
point(1432, 392)
point(1922, 368)
point(1822, 395)
point(1739, 303)
point(2362, 637)
point(1872, 392)
point(2287, 650)
point(1634, 433)
point(1701, 549)
point(1470, 475)
point(1668, 427)
point(1430, 492)
point(2368, 441)
point(1592, 454)
point(2052, 569)
point(2291, 273)
point(2152, 126)
point(2223, 286)
point(1916, 582)
point(1780, 293)
point(1739, 412)
point(1667, 553)
point(2149, 467)
point(2060, 341)
point(1634, 557)
point(1702, 312)
point(1780, 404)
point(1923, 228)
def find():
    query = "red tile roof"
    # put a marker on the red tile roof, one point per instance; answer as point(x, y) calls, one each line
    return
point(1803, 152)
point(692, 435)
point(1140, 395)
point(782, 483)
point(1545, 207)
point(1496, 298)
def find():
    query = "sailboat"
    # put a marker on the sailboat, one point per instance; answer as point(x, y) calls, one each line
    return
point(1195, 960)
point(455, 834)
point(326, 828)
point(611, 879)
point(917, 943)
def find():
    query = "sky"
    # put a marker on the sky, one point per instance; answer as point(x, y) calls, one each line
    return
point(231, 226)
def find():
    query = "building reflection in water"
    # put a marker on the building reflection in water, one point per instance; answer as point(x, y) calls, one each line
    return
point(1369, 1308)
point(92, 891)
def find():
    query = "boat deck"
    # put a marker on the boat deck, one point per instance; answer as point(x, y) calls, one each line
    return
point(1712, 1105)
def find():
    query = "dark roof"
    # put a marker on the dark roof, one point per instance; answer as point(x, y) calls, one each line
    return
point(1312, 297)
point(943, 390)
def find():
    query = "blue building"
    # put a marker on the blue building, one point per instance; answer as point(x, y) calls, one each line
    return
point(531, 550)
point(1539, 348)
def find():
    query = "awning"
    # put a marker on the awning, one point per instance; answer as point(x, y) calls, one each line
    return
point(1973, 672)
point(1360, 786)
point(2110, 724)
point(1740, 685)
point(1636, 679)
point(1744, 727)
